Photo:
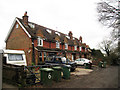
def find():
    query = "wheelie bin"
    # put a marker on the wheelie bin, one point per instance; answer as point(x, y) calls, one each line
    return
point(104, 64)
point(57, 73)
point(46, 76)
point(66, 71)
point(87, 66)
point(101, 64)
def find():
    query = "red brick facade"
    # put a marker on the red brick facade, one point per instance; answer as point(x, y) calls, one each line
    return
point(20, 38)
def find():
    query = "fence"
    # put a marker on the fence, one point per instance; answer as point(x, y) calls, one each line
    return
point(13, 74)
point(23, 75)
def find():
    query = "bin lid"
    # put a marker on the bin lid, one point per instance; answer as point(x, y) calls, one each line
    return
point(57, 67)
point(46, 69)
point(101, 62)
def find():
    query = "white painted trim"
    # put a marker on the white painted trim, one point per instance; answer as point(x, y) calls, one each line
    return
point(10, 29)
point(8, 51)
point(13, 26)
point(80, 48)
point(23, 28)
point(75, 47)
point(38, 41)
point(66, 46)
point(57, 44)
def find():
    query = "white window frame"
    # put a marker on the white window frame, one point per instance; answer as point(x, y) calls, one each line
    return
point(85, 49)
point(57, 44)
point(66, 46)
point(40, 40)
point(75, 47)
point(80, 48)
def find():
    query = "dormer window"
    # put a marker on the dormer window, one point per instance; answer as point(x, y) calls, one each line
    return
point(49, 31)
point(57, 33)
point(66, 46)
point(75, 47)
point(31, 25)
point(57, 44)
point(40, 41)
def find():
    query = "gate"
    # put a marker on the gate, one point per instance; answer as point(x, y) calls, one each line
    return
point(33, 74)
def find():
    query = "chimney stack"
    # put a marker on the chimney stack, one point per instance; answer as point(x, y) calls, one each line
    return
point(80, 39)
point(25, 19)
point(70, 35)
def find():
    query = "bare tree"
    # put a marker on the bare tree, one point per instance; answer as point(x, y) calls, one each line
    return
point(109, 13)
point(105, 45)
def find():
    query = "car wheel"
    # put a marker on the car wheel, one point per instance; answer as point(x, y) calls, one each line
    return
point(72, 69)
point(84, 64)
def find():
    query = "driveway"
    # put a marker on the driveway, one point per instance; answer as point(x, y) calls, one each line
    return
point(99, 78)
point(88, 78)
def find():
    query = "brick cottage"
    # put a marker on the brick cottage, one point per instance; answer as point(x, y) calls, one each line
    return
point(38, 42)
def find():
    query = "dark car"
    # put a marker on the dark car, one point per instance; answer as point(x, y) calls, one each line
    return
point(61, 60)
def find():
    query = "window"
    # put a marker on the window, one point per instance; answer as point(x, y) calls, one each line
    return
point(80, 48)
point(57, 44)
point(49, 31)
point(40, 41)
point(75, 47)
point(78, 60)
point(85, 49)
point(17, 25)
point(66, 46)
point(44, 55)
point(15, 57)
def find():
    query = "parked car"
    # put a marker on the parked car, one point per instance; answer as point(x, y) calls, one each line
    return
point(61, 60)
point(83, 61)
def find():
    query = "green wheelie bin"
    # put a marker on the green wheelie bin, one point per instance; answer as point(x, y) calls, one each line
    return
point(101, 64)
point(104, 64)
point(66, 71)
point(87, 66)
point(46, 76)
point(57, 73)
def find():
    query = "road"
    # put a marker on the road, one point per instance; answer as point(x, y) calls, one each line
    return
point(99, 78)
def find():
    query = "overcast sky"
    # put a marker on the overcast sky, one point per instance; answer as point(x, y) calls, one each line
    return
point(78, 16)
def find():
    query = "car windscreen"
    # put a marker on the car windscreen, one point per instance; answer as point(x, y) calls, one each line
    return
point(77, 59)
point(82, 59)
point(15, 57)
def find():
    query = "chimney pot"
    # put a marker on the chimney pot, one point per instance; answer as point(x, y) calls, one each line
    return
point(80, 39)
point(25, 14)
point(70, 35)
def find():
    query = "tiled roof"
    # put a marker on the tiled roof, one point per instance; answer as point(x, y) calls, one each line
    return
point(49, 34)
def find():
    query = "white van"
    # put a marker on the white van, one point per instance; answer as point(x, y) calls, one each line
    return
point(15, 57)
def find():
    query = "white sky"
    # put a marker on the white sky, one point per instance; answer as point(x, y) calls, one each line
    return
point(78, 16)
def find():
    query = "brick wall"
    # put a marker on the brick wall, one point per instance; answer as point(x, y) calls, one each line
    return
point(53, 45)
point(18, 40)
point(46, 44)
point(69, 48)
